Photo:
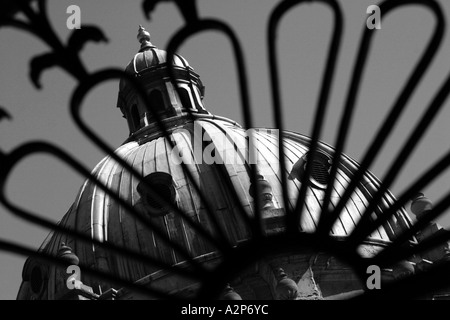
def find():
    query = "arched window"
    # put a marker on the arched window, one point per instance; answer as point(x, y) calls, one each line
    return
point(156, 101)
point(135, 118)
point(37, 280)
point(185, 99)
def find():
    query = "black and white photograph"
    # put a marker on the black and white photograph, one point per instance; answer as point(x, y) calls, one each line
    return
point(203, 151)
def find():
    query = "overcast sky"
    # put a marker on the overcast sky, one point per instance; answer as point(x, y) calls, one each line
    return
point(48, 187)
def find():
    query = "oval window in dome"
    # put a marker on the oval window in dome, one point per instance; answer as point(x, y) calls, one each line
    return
point(37, 281)
point(162, 184)
point(320, 169)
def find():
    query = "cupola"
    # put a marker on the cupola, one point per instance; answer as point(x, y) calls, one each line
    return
point(150, 67)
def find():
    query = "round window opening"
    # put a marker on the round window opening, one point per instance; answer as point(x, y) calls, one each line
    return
point(161, 183)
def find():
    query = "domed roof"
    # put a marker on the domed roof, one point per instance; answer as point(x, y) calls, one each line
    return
point(149, 56)
point(96, 214)
point(153, 57)
point(208, 145)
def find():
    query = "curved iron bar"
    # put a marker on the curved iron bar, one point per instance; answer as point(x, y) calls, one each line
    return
point(255, 243)
point(189, 11)
point(75, 103)
point(6, 18)
point(294, 218)
point(70, 60)
point(399, 105)
point(327, 219)
point(176, 41)
point(81, 77)
point(42, 6)
point(8, 163)
point(188, 8)
point(40, 27)
point(416, 135)
point(54, 260)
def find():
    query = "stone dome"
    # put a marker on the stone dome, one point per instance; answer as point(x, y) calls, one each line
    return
point(96, 214)
point(206, 144)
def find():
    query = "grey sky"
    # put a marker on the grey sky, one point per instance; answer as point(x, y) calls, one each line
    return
point(48, 187)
